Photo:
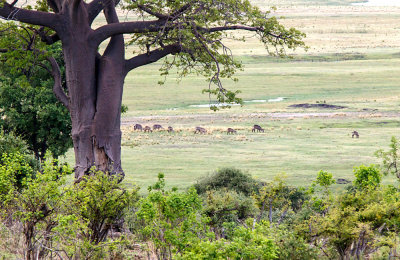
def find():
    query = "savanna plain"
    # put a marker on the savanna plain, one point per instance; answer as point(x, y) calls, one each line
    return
point(349, 75)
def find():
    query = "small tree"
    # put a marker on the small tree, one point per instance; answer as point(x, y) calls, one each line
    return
point(320, 190)
point(390, 159)
point(36, 204)
point(171, 219)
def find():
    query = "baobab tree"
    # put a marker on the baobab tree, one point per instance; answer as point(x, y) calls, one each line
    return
point(190, 31)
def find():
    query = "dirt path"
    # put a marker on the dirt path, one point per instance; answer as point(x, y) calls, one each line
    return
point(280, 115)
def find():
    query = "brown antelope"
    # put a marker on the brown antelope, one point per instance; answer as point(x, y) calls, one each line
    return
point(157, 127)
point(170, 129)
point(147, 129)
point(258, 128)
point(231, 131)
point(138, 127)
point(200, 130)
point(355, 133)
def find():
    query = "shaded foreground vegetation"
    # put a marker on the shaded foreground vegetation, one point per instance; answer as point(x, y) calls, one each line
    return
point(225, 215)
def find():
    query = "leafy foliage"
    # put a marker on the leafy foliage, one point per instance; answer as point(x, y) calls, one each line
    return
point(171, 219)
point(229, 178)
point(28, 106)
point(36, 203)
point(227, 206)
point(244, 243)
point(199, 27)
point(99, 201)
point(390, 159)
point(11, 143)
point(359, 222)
point(367, 177)
point(278, 199)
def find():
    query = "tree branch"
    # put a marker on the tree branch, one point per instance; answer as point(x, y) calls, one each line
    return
point(106, 31)
point(95, 7)
point(151, 12)
point(116, 45)
point(228, 28)
point(57, 88)
point(9, 12)
point(237, 27)
point(151, 57)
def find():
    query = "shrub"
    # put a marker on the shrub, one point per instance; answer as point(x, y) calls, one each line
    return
point(245, 243)
point(92, 208)
point(11, 143)
point(367, 177)
point(229, 178)
point(171, 220)
point(35, 204)
point(227, 206)
point(13, 170)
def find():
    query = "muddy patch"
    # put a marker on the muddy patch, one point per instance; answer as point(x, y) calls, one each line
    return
point(320, 106)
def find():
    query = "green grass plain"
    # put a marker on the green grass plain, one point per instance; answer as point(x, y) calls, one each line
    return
point(353, 61)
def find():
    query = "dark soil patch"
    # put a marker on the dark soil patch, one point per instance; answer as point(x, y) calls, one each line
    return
point(323, 106)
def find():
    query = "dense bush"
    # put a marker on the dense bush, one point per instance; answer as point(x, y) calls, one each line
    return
point(222, 206)
point(70, 221)
point(244, 243)
point(229, 178)
point(367, 177)
point(44, 217)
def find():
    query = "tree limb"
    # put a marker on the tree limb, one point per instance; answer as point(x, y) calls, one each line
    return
point(96, 6)
point(104, 32)
point(151, 12)
point(9, 12)
point(236, 27)
point(152, 56)
point(57, 88)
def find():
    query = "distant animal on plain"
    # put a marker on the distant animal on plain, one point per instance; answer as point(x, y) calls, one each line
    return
point(231, 131)
point(355, 133)
point(147, 129)
point(170, 129)
point(257, 128)
point(157, 127)
point(138, 127)
point(200, 130)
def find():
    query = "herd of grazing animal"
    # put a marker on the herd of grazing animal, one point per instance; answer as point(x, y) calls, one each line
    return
point(198, 129)
point(201, 130)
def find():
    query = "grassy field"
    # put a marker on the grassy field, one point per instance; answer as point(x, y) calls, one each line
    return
point(353, 61)
point(299, 147)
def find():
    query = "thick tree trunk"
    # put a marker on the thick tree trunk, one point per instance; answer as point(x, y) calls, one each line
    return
point(95, 86)
point(80, 74)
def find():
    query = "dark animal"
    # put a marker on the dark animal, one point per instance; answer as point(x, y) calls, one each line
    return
point(258, 128)
point(157, 127)
point(170, 129)
point(231, 131)
point(147, 129)
point(355, 133)
point(200, 130)
point(342, 181)
point(138, 127)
